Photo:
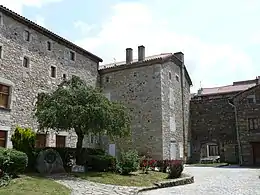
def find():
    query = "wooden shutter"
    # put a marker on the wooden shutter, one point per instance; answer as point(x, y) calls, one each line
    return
point(60, 141)
point(40, 141)
point(3, 137)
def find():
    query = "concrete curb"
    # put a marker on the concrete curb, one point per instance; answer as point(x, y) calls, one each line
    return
point(170, 183)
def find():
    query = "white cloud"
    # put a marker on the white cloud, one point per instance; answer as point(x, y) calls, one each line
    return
point(17, 5)
point(40, 21)
point(83, 27)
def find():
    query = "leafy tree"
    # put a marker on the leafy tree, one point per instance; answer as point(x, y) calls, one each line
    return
point(75, 105)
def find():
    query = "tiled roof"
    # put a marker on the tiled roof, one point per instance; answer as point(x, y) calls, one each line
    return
point(46, 32)
point(148, 58)
point(236, 87)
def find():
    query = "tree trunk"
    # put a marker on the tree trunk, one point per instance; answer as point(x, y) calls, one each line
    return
point(79, 160)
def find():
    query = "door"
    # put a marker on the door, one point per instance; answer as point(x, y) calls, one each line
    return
point(173, 150)
point(256, 153)
point(112, 149)
point(3, 136)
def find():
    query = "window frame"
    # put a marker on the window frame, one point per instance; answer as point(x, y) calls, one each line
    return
point(5, 94)
point(53, 68)
point(215, 148)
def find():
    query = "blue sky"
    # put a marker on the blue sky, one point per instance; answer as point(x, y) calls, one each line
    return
point(220, 39)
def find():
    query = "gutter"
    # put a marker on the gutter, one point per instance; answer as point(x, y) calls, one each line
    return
point(237, 132)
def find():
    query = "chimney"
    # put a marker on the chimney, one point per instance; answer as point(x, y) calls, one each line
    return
point(129, 55)
point(141, 53)
point(180, 56)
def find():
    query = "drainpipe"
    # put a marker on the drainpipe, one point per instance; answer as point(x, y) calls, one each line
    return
point(237, 132)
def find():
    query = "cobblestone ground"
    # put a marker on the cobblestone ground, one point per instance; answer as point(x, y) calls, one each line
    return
point(83, 187)
point(216, 181)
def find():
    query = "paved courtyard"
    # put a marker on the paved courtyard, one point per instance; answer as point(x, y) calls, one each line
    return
point(216, 181)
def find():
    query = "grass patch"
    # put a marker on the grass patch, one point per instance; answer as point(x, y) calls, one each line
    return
point(34, 185)
point(137, 179)
point(209, 164)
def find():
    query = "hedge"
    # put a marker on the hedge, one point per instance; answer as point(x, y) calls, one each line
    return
point(12, 161)
point(101, 163)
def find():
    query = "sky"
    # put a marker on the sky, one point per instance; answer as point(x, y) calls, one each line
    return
point(220, 39)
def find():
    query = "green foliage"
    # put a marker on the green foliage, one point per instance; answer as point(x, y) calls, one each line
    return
point(175, 170)
point(75, 105)
point(129, 162)
point(12, 161)
point(102, 163)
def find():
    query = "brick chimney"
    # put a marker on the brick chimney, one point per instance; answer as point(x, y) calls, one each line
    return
point(180, 56)
point(141, 53)
point(129, 55)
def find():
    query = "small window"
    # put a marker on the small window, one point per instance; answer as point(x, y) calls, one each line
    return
point(3, 138)
point(252, 123)
point(40, 141)
point(170, 75)
point(26, 62)
point(60, 141)
point(251, 99)
point(107, 79)
point(27, 35)
point(72, 56)
point(1, 52)
point(49, 45)
point(64, 76)
point(53, 71)
point(4, 96)
point(177, 77)
point(135, 74)
point(213, 150)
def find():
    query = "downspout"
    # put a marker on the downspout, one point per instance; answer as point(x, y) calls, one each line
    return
point(237, 132)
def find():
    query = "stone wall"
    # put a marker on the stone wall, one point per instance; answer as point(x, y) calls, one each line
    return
point(26, 83)
point(172, 111)
point(140, 90)
point(247, 110)
point(213, 121)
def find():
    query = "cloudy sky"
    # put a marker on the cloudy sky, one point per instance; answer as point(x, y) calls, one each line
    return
point(220, 39)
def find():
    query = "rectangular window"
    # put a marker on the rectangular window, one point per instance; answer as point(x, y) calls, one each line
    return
point(3, 138)
point(213, 150)
point(72, 56)
point(4, 96)
point(26, 62)
point(60, 141)
point(27, 35)
point(1, 52)
point(64, 76)
point(170, 75)
point(40, 141)
point(251, 99)
point(53, 71)
point(49, 45)
point(252, 123)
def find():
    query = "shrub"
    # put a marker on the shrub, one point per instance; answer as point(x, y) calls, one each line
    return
point(145, 165)
point(12, 161)
point(102, 162)
point(129, 162)
point(175, 170)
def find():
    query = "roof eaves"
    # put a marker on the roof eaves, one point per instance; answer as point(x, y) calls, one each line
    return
point(47, 32)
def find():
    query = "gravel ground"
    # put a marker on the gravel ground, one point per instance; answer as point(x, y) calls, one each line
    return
point(216, 181)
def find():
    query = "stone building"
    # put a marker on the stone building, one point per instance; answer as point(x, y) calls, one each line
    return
point(157, 91)
point(217, 120)
point(155, 88)
point(33, 60)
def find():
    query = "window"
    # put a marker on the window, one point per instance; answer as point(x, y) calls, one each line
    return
point(170, 75)
point(3, 138)
point(1, 52)
point(26, 62)
point(60, 141)
point(72, 56)
point(1, 19)
point(251, 99)
point(252, 123)
point(177, 77)
point(53, 71)
point(40, 141)
point(27, 35)
point(64, 76)
point(213, 150)
point(49, 45)
point(4, 96)
point(107, 79)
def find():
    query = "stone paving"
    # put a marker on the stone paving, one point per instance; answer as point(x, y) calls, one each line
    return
point(83, 187)
point(216, 181)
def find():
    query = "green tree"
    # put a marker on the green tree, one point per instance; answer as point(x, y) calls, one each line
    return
point(75, 105)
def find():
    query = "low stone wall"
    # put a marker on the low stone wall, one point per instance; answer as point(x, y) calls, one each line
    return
point(169, 183)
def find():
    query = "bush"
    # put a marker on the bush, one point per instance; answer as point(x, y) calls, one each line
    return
point(12, 161)
point(175, 170)
point(129, 162)
point(102, 162)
